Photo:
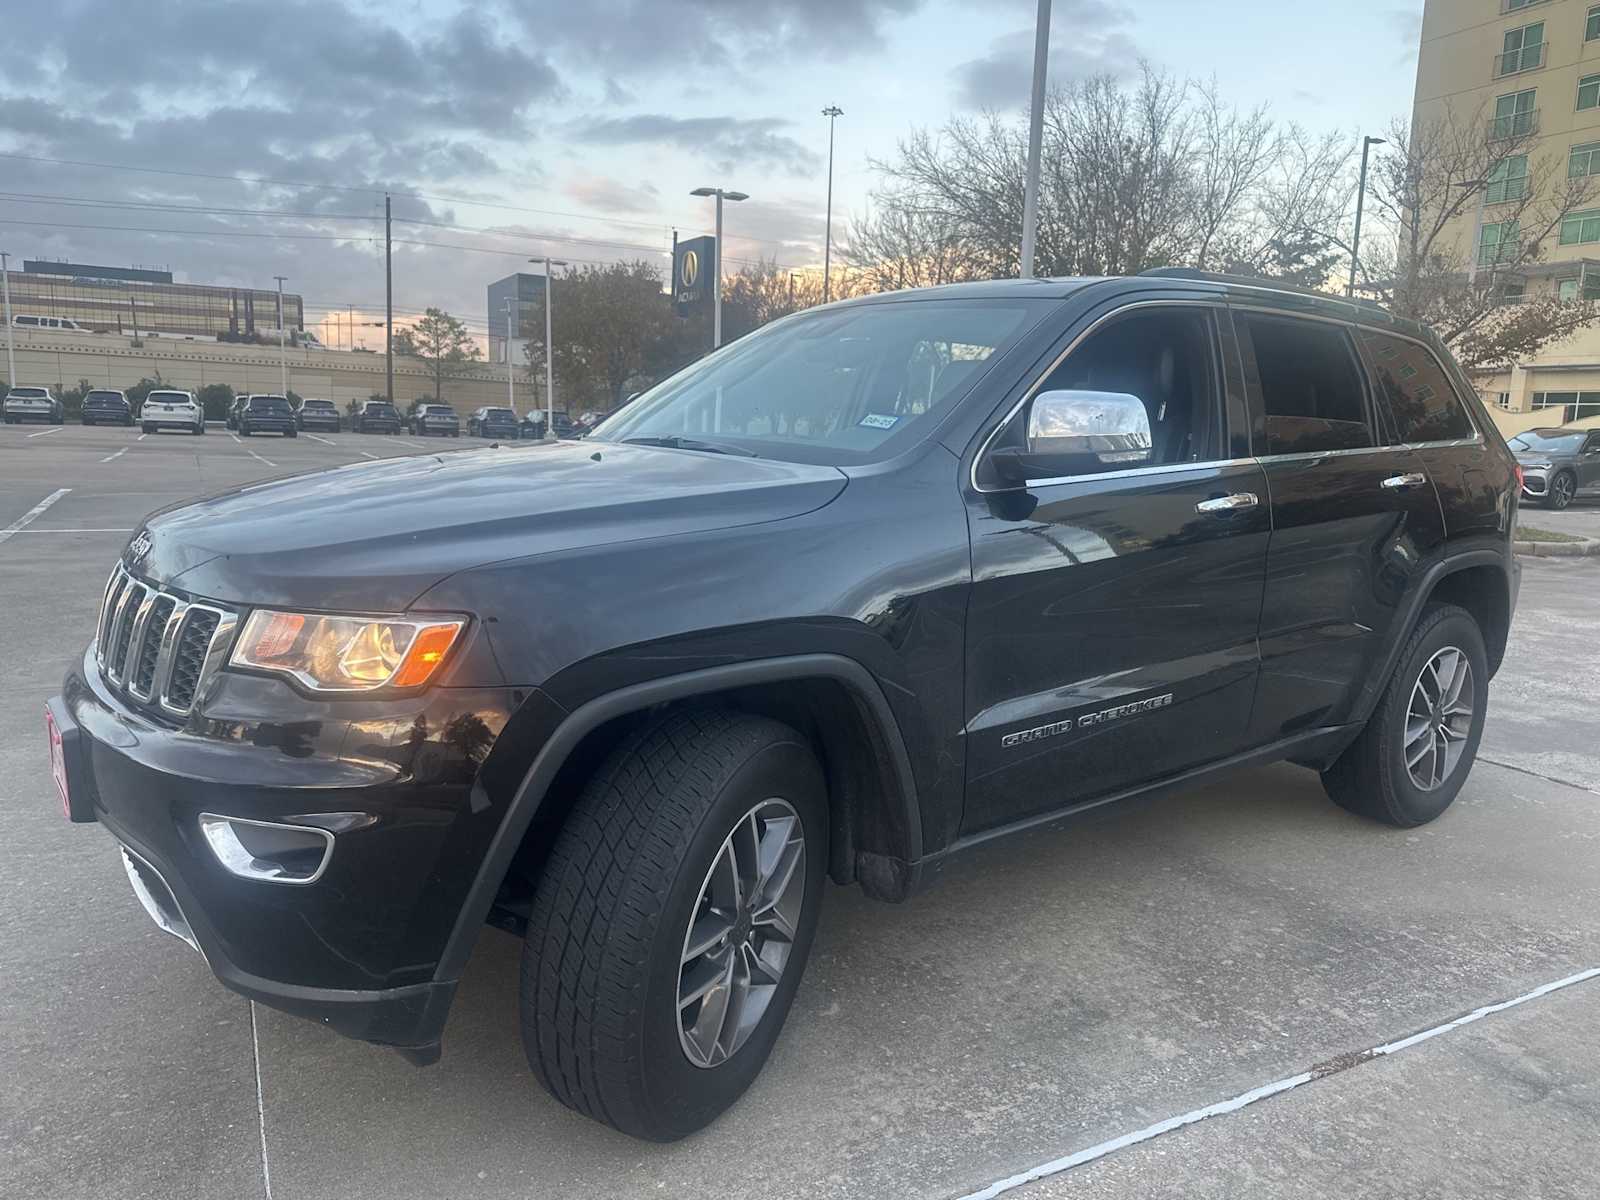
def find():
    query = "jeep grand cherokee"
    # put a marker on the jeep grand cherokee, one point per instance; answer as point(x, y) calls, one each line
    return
point(881, 582)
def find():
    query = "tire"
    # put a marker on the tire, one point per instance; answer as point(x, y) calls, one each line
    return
point(201, 428)
point(244, 430)
point(1563, 487)
point(290, 433)
point(605, 944)
point(147, 428)
point(1371, 777)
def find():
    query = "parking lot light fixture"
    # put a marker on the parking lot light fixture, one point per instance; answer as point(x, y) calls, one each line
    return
point(716, 274)
point(283, 341)
point(549, 349)
point(11, 336)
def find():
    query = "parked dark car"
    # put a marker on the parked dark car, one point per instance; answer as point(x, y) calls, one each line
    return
point(106, 407)
point(235, 408)
point(1557, 464)
point(32, 404)
point(878, 584)
point(318, 414)
point(375, 416)
point(435, 420)
point(533, 424)
point(267, 414)
point(493, 423)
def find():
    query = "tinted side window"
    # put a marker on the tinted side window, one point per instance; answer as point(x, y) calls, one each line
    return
point(1424, 405)
point(1311, 389)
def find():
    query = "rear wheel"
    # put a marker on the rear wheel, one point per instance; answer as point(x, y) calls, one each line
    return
point(147, 428)
point(1420, 743)
point(290, 433)
point(673, 920)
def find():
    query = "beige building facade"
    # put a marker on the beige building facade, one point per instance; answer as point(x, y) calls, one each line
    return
point(1529, 69)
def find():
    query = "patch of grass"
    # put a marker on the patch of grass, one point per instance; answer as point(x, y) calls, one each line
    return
point(1528, 533)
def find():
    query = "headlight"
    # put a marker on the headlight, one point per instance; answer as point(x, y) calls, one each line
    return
point(345, 654)
point(1535, 466)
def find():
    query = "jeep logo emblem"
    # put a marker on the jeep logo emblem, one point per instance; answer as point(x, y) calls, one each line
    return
point(140, 546)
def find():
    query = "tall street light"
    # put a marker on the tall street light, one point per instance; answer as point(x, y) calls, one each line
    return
point(1030, 192)
point(549, 348)
point(11, 336)
point(716, 273)
point(833, 112)
point(1367, 143)
point(283, 341)
point(511, 386)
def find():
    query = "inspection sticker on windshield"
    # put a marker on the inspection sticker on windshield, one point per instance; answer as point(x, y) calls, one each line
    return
point(878, 421)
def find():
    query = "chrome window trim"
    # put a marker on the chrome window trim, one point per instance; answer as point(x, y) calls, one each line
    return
point(1353, 452)
point(1212, 302)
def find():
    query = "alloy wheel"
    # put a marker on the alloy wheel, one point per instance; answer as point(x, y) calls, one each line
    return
point(1439, 718)
point(1563, 490)
point(741, 932)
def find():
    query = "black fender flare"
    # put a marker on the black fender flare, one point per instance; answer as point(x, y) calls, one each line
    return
point(1406, 620)
point(530, 794)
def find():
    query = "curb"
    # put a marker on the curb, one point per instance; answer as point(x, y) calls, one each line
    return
point(1587, 548)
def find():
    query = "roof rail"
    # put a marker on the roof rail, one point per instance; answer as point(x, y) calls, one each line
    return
point(1270, 285)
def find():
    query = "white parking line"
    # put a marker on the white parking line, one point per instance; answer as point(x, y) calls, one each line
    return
point(1244, 1099)
point(235, 437)
point(261, 1103)
point(118, 454)
point(28, 517)
point(141, 437)
point(268, 461)
point(47, 432)
point(369, 454)
point(323, 440)
point(38, 532)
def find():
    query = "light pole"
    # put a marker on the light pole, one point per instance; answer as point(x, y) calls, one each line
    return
point(11, 335)
point(716, 271)
point(511, 386)
point(549, 348)
point(1367, 143)
point(1030, 191)
point(833, 112)
point(283, 341)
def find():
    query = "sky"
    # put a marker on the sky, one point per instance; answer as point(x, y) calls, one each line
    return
point(509, 129)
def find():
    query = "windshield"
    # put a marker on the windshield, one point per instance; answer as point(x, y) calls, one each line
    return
point(380, 410)
point(28, 393)
point(168, 397)
point(104, 398)
point(322, 404)
point(831, 387)
point(500, 412)
point(269, 404)
point(1547, 442)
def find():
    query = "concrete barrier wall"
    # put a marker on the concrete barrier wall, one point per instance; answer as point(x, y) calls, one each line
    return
point(58, 360)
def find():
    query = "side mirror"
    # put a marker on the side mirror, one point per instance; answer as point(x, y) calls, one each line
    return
point(1073, 432)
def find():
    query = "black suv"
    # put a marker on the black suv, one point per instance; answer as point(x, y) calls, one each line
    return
point(375, 416)
point(106, 407)
point(318, 414)
point(875, 585)
point(267, 414)
point(437, 419)
point(493, 422)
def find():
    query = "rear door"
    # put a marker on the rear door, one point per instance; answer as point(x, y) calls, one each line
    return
point(1354, 519)
point(1111, 630)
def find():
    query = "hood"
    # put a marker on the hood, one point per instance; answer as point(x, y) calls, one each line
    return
point(374, 536)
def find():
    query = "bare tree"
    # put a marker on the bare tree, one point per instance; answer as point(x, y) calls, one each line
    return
point(1463, 172)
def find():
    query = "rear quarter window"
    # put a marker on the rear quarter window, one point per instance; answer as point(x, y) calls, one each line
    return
point(1312, 395)
point(1419, 394)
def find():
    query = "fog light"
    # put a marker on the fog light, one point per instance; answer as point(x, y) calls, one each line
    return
point(268, 851)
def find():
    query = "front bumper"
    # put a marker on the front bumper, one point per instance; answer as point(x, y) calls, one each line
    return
point(357, 950)
point(1534, 484)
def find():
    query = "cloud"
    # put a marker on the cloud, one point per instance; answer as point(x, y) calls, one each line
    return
point(723, 142)
point(1087, 37)
point(611, 195)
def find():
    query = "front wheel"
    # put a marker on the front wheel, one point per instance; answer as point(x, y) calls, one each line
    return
point(1421, 740)
point(290, 433)
point(672, 921)
point(1562, 489)
point(147, 429)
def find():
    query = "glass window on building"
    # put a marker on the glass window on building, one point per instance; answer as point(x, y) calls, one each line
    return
point(1523, 49)
point(1510, 291)
point(1514, 114)
point(1578, 404)
point(1498, 242)
point(1584, 160)
point(1579, 287)
point(1591, 28)
point(1502, 400)
point(1580, 227)
point(1508, 180)
point(1589, 92)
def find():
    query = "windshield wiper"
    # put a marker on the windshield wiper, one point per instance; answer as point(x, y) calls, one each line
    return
point(675, 442)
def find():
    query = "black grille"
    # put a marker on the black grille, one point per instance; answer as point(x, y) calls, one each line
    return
point(143, 675)
point(189, 657)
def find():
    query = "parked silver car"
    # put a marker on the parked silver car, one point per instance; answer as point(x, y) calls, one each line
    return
point(1557, 464)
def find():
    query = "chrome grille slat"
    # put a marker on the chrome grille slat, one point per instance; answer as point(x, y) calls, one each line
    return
point(157, 648)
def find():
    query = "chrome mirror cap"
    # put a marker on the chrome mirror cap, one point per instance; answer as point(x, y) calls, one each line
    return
point(1112, 426)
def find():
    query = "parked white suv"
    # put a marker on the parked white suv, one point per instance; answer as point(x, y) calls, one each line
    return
point(32, 404)
point(172, 410)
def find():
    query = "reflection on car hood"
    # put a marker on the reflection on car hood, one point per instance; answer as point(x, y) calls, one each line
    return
point(373, 536)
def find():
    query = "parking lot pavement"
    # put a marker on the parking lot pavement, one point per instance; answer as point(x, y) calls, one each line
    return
point(1581, 517)
point(1045, 997)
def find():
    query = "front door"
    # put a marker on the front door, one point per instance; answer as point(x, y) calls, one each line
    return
point(1111, 632)
point(1354, 520)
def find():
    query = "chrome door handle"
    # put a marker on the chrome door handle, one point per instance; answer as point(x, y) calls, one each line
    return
point(1398, 482)
point(1227, 504)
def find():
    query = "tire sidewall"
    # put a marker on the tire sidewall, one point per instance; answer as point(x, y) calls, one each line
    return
point(681, 1097)
point(1411, 803)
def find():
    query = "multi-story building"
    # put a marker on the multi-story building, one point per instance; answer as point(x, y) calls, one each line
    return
point(135, 300)
point(1530, 71)
point(524, 296)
